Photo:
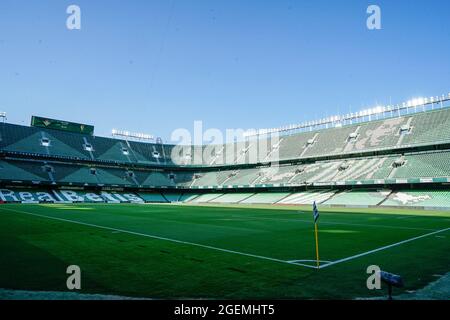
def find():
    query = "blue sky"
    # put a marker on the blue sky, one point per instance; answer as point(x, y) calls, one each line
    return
point(155, 66)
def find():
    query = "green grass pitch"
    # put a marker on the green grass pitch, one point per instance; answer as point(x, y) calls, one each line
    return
point(225, 252)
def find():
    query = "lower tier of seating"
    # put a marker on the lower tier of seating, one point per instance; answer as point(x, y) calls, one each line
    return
point(359, 198)
point(232, 198)
point(67, 196)
point(426, 198)
point(308, 197)
point(419, 198)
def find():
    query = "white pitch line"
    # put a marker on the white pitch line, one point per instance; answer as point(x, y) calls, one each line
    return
point(383, 248)
point(294, 261)
point(161, 238)
point(312, 261)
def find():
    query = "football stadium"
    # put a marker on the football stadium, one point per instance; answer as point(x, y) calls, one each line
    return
point(230, 225)
point(246, 154)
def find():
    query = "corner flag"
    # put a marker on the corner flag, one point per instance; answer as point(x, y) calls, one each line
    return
point(316, 218)
point(315, 212)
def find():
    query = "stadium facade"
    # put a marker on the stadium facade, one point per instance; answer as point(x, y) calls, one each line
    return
point(399, 159)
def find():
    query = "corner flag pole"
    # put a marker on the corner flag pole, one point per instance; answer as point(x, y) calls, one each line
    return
point(317, 245)
point(316, 232)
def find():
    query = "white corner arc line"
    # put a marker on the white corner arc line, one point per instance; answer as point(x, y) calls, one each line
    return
point(321, 261)
point(161, 238)
point(383, 248)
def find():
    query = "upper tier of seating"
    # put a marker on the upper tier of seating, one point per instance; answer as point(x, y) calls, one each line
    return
point(426, 128)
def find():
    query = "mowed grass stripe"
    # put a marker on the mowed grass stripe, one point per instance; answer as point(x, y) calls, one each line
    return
point(292, 214)
point(37, 250)
point(385, 247)
point(346, 249)
point(160, 238)
point(215, 227)
point(176, 213)
point(345, 224)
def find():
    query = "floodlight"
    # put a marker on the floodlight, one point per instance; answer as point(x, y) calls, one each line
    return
point(128, 134)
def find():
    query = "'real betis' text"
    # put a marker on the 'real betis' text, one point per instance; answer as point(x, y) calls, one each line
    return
point(230, 309)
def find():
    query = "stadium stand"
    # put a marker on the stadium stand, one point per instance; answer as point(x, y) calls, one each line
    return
point(276, 175)
point(293, 146)
point(232, 198)
point(172, 197)
point(243, 177)
point(157, 179)
point(152, 197)
point(425, 165)
point(266, 198)
point(210, 178)
point(331, 141)
point(33, 195)
point(308, 197)
point(403, 152)
point(359, 198)
point(206, 197)
point(429, 127)
point(419, 198)
point(10, 172)
point(188, 197)
point(377, 134)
